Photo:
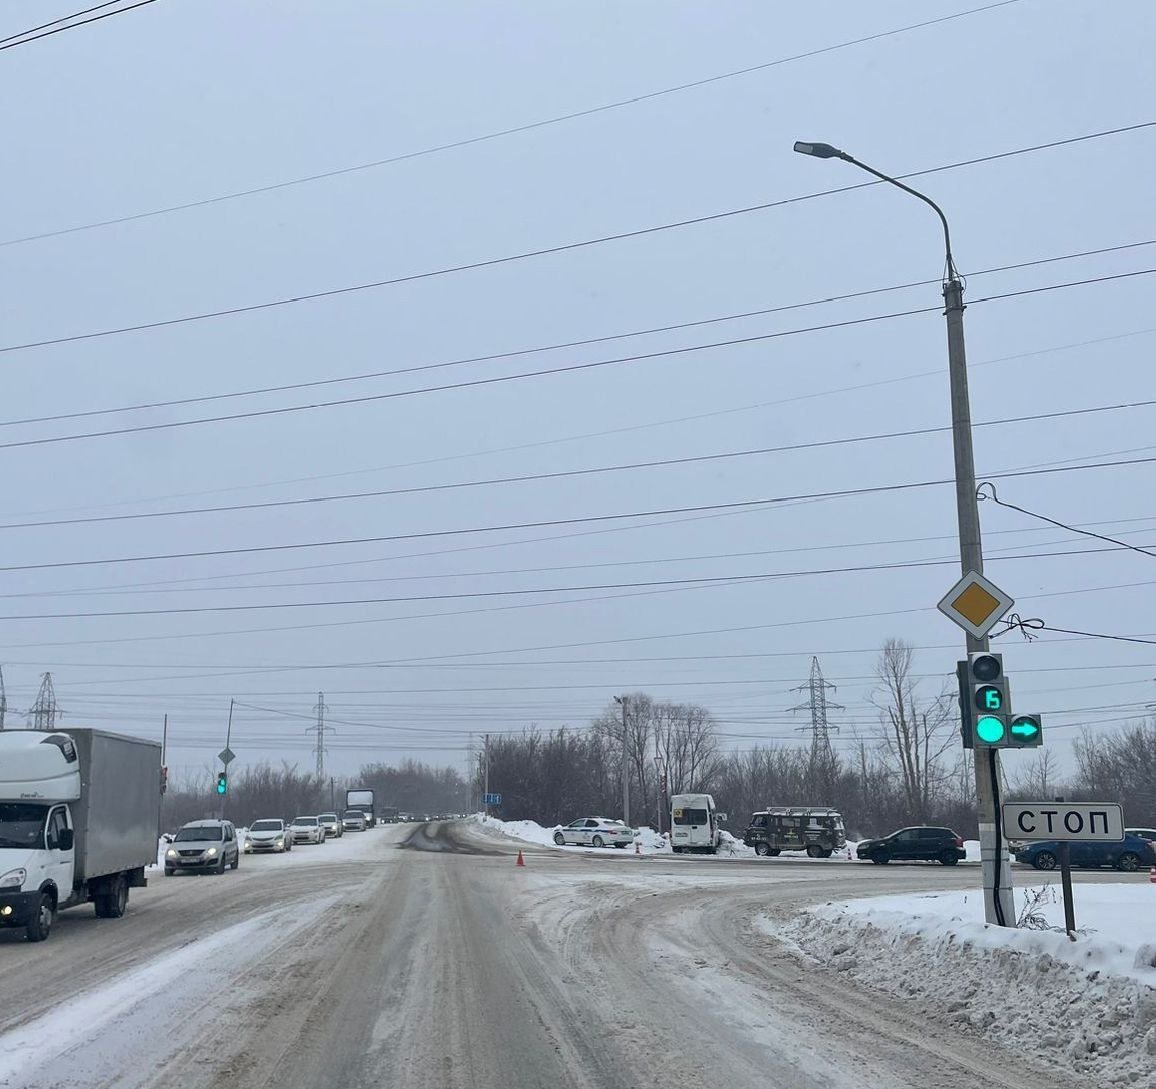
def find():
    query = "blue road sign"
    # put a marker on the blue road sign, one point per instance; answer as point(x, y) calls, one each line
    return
point(493, 799)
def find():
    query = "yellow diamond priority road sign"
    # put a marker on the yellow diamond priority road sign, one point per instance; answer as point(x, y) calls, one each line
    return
point(975, 604)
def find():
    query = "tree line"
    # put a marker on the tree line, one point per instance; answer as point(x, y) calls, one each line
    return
point(261, 791)
point(912, 770)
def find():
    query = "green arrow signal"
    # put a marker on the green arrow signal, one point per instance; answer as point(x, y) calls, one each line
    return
point(1025, 728)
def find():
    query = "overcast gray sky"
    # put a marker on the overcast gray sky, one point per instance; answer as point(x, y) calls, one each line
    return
point(180, 101)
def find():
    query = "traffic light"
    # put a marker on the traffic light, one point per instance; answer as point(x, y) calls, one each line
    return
point(222, 783)
point(987, 702)
point(1027, 732)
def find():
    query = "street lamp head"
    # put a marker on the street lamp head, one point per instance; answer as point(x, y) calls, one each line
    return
point(819, 151)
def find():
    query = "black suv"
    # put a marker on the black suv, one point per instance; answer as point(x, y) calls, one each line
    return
point(915, 844)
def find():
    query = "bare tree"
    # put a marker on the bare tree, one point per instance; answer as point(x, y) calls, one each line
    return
point(1038, 779)
point(918, 732)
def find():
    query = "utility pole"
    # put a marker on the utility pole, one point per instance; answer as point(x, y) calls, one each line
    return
point(999, 904)
point(227, 749)
point(486, 787)
point(3, 699)
point(45, 710)
point(164, 777)
point(621, 700)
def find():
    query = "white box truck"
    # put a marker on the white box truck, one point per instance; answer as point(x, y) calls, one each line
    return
point(362, 799)
point(79, 811)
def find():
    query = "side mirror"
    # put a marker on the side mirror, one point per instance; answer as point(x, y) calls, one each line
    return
point(721, 818)
point(65, 839)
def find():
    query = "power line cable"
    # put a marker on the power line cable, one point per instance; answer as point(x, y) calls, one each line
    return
point(934, 373)
point(724, 581)
point(560, 248)
point(834, 493)
point(567, 473)
point(585, 342)
point(26, 39)
point(987, 491)
point(62, 19)
point(514, 130)
point(545, 372)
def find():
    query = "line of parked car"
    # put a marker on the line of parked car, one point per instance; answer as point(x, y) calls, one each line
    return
point(213, 846)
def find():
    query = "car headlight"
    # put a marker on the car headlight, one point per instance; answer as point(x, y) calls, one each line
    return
point(13, 879)
point(171, 853)
point(279, 841)
point(211, 851)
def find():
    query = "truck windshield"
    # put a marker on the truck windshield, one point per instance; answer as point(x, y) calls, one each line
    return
point(690, 816)
point(198, 833)
point(22, 824)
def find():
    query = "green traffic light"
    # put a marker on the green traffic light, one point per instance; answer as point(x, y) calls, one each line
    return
point(989, 729)
point(222, 784)
point(1025, 728)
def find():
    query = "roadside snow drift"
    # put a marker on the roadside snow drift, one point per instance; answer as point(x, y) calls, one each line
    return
point(1088, 1004)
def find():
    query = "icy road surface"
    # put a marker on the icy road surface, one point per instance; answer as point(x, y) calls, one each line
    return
point(360, 964)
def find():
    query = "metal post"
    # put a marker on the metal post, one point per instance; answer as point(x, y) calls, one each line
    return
point(625, 763)
point(164, 757)
point(998, 899)
point(228, 738)
point(999, 904)
point(1066, 883)
point(486, 788)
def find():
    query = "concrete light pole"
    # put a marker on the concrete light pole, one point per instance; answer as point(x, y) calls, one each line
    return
point(621, 700)
point(999, 903)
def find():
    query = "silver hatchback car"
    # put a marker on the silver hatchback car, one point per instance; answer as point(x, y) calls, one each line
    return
point(203, 845)
point(268, 835)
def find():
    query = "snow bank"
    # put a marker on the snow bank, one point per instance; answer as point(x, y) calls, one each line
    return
point(1090, 1004)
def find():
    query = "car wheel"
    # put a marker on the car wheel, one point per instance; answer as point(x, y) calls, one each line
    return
point(949, 858)
point(1129, 862)
point(169, 871)
point(1045, 860)
point(237, 860)
point(814, 850)
point(221, 865)
point(598, 841)
point(559, 839)
point(763, 850)
point(880, 858)
point(39, 926)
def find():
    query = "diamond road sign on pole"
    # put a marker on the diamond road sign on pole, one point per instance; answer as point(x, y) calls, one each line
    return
point(226, 756)
point(975, 604)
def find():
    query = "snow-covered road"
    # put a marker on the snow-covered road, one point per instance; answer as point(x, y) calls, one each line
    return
point(448, 967)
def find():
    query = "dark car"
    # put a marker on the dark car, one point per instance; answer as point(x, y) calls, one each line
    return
point(1128, 854)
point(916, 845)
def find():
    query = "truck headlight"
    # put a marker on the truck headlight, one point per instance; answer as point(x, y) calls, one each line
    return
point(13, 879)
point(211, 851)
point(171, 853)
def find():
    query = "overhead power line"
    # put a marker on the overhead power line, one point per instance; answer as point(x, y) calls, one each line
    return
point(499, 133)
point(877, 489)
point(585, 342)
point(29, 36)
point(565, 247)
point(569, 368)
point(588, 471)
point(62, 19)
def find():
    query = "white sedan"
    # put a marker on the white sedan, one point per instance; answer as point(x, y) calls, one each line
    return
point(307, 830)
point(594, 832)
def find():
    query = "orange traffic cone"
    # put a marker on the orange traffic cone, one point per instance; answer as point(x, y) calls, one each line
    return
point(637, 847)
point(521, 861)
point(1152, 875)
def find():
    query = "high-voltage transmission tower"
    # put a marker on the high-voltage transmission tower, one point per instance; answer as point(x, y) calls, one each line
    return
point(319, 728)
point(822, 755)
point(42, 714)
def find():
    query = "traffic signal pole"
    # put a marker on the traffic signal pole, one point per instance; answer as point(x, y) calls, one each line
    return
point(999, 907)
point(998, 900)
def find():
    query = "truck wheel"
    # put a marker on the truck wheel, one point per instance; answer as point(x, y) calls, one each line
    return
point(762, 849)
point(814, 850)
point(112, 904)
point(39, 926)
